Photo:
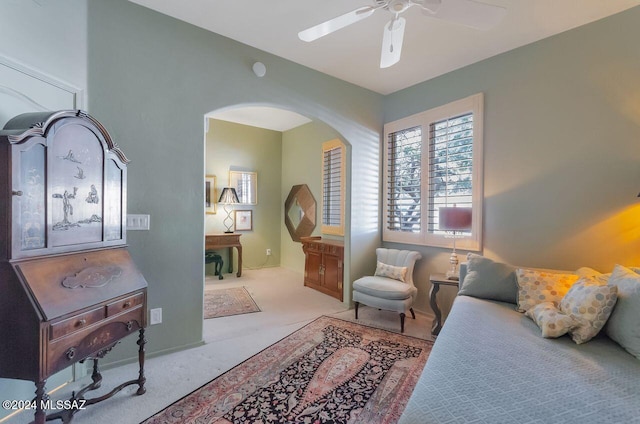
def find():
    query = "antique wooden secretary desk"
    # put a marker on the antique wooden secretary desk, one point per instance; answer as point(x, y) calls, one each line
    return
point(69, 289)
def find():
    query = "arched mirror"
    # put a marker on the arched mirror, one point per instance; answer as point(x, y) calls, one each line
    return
point(300, 212)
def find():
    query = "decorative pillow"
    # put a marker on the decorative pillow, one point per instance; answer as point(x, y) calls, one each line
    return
point(551, 321)
point(541, 286)
point(487, 279)
point(589, 303)
point(592, 273)
point(624, 323)
point(390, 271)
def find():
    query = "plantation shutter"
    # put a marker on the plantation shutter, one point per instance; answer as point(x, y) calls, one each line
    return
point(331, 213)
point(333, 187)
point(451, 165)
point(404, 185)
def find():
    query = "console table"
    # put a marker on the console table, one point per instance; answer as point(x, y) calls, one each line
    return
point(230, 240)
point(436, 281)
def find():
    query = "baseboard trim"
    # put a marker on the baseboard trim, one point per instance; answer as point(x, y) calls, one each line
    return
point(150, 355)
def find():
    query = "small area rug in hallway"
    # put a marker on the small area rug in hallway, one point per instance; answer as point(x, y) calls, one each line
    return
point(330, 371)
point(224, 302)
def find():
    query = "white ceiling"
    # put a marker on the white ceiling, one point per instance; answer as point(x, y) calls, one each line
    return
point(262, 117)
point(431, 47)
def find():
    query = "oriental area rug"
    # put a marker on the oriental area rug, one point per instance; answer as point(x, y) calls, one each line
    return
point(225, 302)
point(330, 371)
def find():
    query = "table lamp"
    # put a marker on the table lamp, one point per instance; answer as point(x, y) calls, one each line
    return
point(454, 219)
point(228, 197)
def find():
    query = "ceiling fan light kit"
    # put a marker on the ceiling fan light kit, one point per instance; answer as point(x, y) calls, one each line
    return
point(465, 12)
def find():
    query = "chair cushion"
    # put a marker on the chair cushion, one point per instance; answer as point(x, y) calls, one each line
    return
point(384, 288)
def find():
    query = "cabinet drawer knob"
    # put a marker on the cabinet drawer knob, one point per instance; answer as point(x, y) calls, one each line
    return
point(129, 325)
point(126, 304)
point(82, 322)
point(71, 353)
point(16, 192)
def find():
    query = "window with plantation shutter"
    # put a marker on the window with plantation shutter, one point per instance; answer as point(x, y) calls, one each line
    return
point(434, 160)
point(404, 185)
point(450, 165)
point(333, 187)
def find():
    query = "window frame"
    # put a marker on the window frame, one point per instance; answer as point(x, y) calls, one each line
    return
point(337, 230)
point(473, 104)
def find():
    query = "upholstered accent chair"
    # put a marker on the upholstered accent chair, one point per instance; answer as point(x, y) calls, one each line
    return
point(391, 288)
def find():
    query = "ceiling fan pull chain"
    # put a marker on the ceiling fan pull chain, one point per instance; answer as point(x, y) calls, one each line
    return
point(391, 27)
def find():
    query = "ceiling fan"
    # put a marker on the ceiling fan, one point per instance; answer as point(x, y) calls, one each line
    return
point(466, 12)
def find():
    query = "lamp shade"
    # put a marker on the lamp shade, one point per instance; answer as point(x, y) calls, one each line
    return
point(228, 196)
point(454, 219)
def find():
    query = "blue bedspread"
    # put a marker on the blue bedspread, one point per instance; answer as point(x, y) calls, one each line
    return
point(490, 365)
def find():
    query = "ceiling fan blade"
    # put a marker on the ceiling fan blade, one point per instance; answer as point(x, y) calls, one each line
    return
point(469, 13)
point(430, 6)
point(320, 30)
point(392, 42)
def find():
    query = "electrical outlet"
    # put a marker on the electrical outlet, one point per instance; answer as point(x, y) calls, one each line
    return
point(155, 316)
point(268, 252)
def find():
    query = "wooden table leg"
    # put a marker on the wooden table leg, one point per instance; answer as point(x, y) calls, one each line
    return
point(437, 326)
point(239, 261)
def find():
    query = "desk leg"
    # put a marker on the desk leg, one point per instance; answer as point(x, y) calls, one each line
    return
point(239, 261)
point(141, 378)
point(41, 396)
point(437, 326)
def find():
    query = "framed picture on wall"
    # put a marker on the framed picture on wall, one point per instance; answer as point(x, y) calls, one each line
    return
point(243, 220)
point(246, 185)
point(210, 199)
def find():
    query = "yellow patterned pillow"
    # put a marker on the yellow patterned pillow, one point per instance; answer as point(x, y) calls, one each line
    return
point(390, 271)
point(535, 287)
point(589, 303)
point(551, 321)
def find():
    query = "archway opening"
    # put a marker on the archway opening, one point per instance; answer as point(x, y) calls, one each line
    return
point(282, 149)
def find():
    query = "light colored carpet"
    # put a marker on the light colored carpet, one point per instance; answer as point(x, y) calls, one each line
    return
point(286, 306)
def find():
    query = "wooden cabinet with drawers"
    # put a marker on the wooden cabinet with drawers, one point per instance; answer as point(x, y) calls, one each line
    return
point(69, 289)
point(323, 266)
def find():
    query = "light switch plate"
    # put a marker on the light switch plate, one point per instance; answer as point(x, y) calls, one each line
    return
point(138, 222)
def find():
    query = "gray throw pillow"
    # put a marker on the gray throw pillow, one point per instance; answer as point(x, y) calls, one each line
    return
point(623, 325)
point(488, 279)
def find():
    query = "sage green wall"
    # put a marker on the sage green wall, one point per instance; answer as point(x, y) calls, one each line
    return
point(151, 80)
point(302, 164)
point(244, 148)
point(561, 148)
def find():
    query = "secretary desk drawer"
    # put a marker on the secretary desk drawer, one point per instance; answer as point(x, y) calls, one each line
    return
point(66, 350)
point(121, 305)
point(77, 322)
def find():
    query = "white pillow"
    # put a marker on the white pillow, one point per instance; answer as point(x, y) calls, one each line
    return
point(589, 303)
point(551, 321)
